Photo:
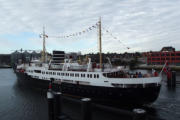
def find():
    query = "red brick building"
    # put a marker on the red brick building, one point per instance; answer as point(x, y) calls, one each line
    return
point(166, 54)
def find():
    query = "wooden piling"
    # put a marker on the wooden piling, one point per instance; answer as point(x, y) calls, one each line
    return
point(50, 99)
point(86, 109)
point(173, 79)
point(57, 105)
point(139, 114)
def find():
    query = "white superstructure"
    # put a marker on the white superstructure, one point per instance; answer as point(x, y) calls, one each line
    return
point(85, 74)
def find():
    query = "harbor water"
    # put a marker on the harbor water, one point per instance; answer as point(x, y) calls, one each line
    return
point(21, 103)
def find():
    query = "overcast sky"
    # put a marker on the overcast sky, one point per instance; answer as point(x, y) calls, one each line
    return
point(142, 25)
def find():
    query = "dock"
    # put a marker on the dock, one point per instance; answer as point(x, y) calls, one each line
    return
point(61, 107)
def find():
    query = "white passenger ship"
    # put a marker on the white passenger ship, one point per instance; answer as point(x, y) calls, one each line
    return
point(101, 82)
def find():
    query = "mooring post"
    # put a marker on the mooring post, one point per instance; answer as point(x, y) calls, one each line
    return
point(57, 105)
point(50, 98)
point(173, 79)
point(169, 78)
point(139, 114)
point(86, 109)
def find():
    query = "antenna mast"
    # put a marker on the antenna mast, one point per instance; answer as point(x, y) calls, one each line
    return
point(100, 46)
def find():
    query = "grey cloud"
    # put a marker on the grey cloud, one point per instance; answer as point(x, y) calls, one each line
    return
point(140, 24)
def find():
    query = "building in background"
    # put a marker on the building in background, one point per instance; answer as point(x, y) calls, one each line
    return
point(168, 54)
point(24, 57)
point(5, 60)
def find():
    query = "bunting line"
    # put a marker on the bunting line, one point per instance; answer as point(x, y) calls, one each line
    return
point(88, 29)
point(107, 31)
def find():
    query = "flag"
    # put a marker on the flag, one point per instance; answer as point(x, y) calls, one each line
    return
point(46, 36)
point(166, 68)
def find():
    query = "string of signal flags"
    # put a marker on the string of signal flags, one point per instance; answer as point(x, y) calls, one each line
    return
point(95, 26)
point(78, 33)
point(107, 31)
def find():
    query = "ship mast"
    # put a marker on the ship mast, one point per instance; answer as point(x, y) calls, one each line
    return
point(100, 46)
point(44, 47)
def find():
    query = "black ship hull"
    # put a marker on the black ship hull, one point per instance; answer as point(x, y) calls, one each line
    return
point(130, 96)
point(28, 81)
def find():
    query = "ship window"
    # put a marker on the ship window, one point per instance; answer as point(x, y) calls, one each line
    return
point(37, 71)
point(72, 74)
point(82, 75)
point(68, 74)
point(90, 75)
point(76, 75)
point(97, 75)
point(46, 72)
point(94, 75)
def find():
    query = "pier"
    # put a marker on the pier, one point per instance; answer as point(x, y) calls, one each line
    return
point(87, 110)
point(172, 81)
